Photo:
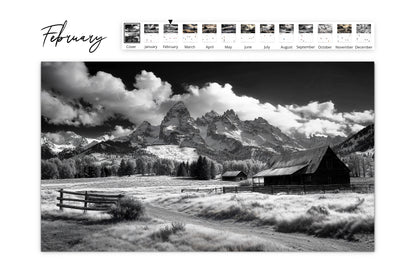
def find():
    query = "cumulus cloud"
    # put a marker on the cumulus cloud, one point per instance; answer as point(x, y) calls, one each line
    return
point(219, 98)
point(360, 117)
point(315, 110)
point(106, 94)
point(68, 86)
point(120, 131)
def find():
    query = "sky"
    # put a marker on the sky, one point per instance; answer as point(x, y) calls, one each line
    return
point(312, 98)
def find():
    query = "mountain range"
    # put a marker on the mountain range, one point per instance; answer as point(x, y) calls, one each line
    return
point(221, 137)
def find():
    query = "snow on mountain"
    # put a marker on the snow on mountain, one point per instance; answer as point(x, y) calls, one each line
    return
point(181, 137)
point(62, 140)
point(228, 132)
point(173, 152)
point(145, 134)
point(179, 128)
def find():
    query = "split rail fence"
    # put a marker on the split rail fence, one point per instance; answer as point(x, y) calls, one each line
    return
point(101, 202)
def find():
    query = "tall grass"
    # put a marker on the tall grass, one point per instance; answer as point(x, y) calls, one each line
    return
point(330, 215)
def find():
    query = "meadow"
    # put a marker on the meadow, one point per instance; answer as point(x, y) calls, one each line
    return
point(198, 221)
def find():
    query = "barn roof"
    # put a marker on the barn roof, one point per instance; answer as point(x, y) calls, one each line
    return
point(290, 163)
point(280, 171)
point(232, 173)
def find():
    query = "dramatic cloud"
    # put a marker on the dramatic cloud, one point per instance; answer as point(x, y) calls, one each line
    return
point(119, 131)
point(105, 93)
point(221, 98)
point(70, 95)
point(360, 117)
point(56, 111)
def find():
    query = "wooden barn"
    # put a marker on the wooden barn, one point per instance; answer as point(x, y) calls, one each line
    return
point(234, 176)
point(310, 167)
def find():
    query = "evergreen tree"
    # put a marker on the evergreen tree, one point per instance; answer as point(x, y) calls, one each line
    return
point(181, 170)
point(213, 170)
point(193, 169)
point(187, 168)
point(198, 168)
point(205, 170)
point(122, 169)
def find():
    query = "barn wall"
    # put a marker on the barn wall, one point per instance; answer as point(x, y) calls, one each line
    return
point(331, 170)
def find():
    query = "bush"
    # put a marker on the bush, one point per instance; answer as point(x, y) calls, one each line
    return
point(246, 183)
point(164, 233)
point(127, 209)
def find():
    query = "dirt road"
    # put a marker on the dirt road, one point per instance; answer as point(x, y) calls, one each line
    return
point(297, 242)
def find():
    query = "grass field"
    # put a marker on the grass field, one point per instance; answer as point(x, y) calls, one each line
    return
point(340, 218)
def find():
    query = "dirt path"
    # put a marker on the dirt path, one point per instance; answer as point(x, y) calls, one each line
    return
point(297, 242)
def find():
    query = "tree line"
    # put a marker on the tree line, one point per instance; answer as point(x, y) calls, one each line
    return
point(89, 167)
point(360, 165)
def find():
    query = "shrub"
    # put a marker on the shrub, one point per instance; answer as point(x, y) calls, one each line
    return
point(127, 209)
point(165, 232)
point(245, 183)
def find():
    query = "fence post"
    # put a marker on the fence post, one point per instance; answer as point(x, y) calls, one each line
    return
point(235, 189)
point(323, 187)
point(61, 202)
point(223, 190)
point(252, 189)
point(304, 189)
point(271, 189)
point(86, 203)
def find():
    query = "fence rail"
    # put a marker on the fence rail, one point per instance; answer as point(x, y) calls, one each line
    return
point(204, 190)
point(297, 189)
point(289, 189)
point(102, 202)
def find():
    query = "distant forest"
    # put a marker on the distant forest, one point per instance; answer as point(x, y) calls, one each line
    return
point(88, 167)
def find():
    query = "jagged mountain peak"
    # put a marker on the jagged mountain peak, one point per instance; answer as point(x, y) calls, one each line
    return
point(178, 106)
point(211, 114)
point(231, 116)
point(143, 126)
point(179, 128)
point(261, 120)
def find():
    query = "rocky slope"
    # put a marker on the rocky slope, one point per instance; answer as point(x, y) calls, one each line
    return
point(360, 142)
point(221, 137)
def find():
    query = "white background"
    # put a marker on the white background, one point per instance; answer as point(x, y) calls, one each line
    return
point(21, 53)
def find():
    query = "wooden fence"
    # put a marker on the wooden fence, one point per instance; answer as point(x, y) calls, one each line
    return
point(299, 189)
point(101, 202)
point(204, 190)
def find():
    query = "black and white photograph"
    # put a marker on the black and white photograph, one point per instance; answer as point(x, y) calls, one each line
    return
point(305, 28)
point(267, 28)
point(228, 28)
point(131, 32)
point(190, 28)
point(286, 28)
point(248, 28)
point(170, 28)
point(363, 28)
point(344, 28)
point(207, 156)
point(324, 28)
point(151, 28)
point(209, 28)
